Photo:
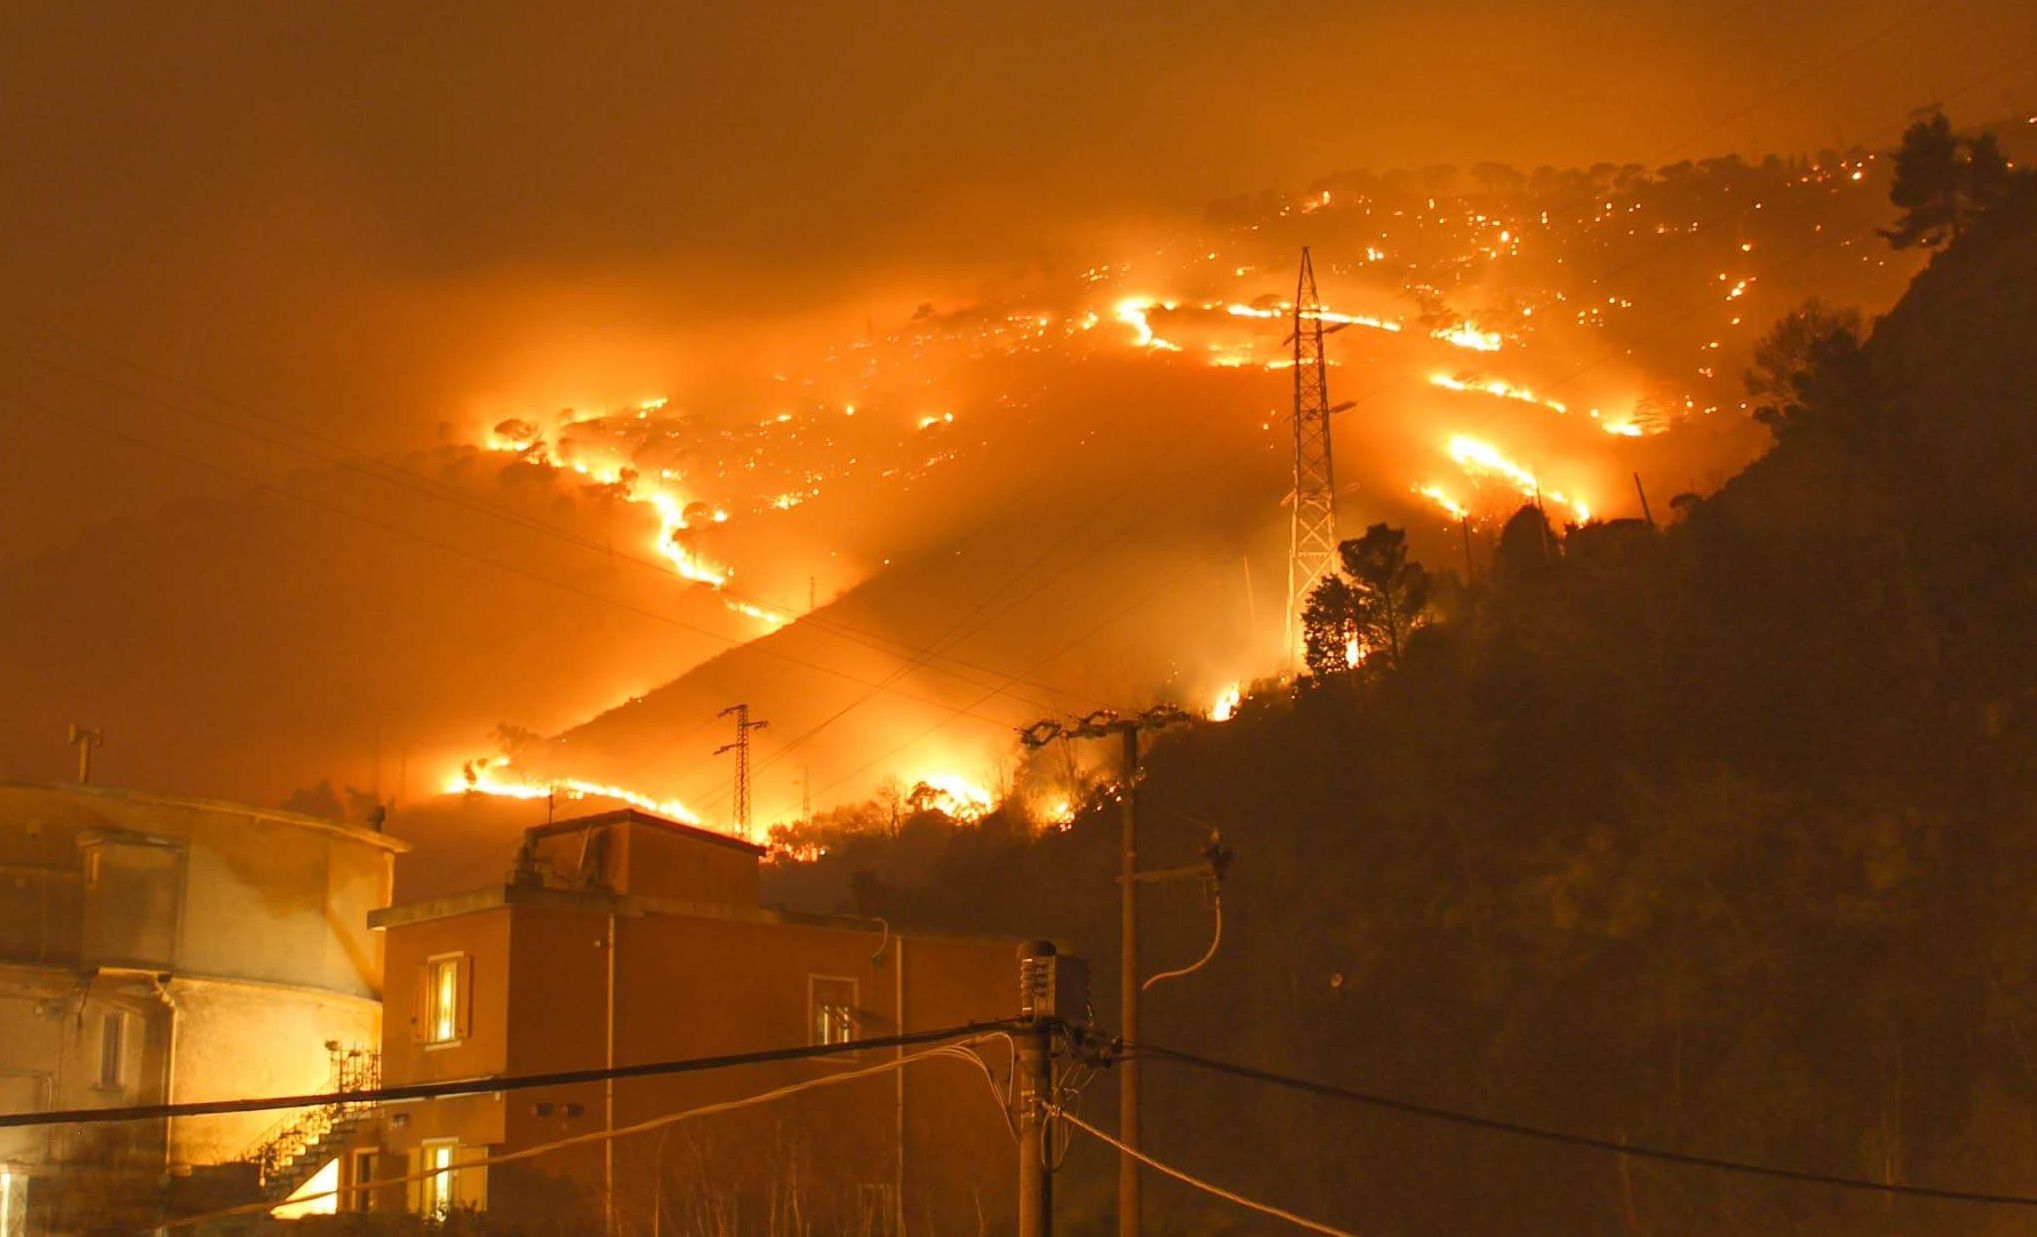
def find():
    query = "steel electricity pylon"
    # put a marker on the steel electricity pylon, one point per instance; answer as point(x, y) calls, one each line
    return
point(741, 747)
point(1312, 544)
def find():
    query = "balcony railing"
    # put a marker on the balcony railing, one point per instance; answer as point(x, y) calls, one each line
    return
point(289, 1152)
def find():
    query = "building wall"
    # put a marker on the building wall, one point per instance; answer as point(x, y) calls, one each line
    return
point(704, 984)
point(482, 937)
point(658, 863)
point(650, 858)
point(113, 878)
point(237, 1039)
point(232, 942)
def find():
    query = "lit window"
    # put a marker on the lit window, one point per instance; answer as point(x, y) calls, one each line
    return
point(443, 999)
point(113, 1049)
point(438, 1188)
point(366, 1169)
point(13, 1204)
point(832, 1006)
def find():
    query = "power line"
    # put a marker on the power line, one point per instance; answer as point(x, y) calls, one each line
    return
point(491, 1086)
point(1097, 547)
point(1587, 1141)
point(957, 1050)
point(1655, 255)
point(410, 534)
point(1207, 1187)
point(403, 478)
point(1135, 604)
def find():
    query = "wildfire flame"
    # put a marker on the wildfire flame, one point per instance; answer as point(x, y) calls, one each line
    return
point(1286, 309)
point(1494, 386)
point(1055, 810)
point(1465, 335)
point(1478, 457)
point(1132, 312)
point(1225, 706)
point(954, 796)
point(670, 506)
point(497, 778)
point(1434, 494)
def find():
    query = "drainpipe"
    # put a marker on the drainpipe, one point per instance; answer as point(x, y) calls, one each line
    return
point(161, 985)
point(898, 1075)
point(608, 1096)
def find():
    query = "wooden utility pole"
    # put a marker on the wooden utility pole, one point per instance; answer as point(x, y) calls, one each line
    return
point(1052, 989)
point(1646, 514)
point(1129, 1193)
point(1097, 725)
point(1035, 1093)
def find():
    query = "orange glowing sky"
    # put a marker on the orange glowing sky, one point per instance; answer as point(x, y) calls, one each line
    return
point(259, 250)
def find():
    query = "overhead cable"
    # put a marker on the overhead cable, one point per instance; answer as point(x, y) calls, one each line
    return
point(1207, 1187)
point(495, 1085)
point(1587, 1141)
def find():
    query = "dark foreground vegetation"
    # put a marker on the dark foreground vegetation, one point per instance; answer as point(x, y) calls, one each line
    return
point(1719, 836)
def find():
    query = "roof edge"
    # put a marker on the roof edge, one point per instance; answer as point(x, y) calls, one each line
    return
point(223, 807)
point(634, 815)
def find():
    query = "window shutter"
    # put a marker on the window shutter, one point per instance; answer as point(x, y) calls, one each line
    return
point(420, 1006)
point(463, 1006)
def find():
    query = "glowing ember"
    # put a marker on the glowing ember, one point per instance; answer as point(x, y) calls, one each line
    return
point(1482, 458)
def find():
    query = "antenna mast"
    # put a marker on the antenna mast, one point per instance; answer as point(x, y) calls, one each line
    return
point(1312, 546)
point(741, 747)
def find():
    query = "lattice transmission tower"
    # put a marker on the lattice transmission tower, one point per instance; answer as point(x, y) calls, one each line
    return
point(1312, 545)
point(741, 747)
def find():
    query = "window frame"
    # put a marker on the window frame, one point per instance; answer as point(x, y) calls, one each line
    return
point(13, 1201)
point(114, 1028)
point(363, 1171)
point(816, 1030)
point(439, 1190)
point(452, 1019)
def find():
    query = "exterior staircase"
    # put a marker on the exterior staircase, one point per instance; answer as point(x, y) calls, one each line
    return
point(291, 1152)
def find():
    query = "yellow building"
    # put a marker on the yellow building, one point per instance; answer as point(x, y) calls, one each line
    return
point(157, 949)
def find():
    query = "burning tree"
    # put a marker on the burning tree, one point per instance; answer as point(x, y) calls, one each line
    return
point(1366, 613)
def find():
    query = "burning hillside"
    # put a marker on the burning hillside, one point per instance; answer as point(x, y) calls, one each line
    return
point(1510, 338)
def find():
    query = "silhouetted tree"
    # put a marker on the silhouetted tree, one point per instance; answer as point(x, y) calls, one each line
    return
point(1808, 363)
point(1527, 546)
point(1327, 629)
point(1942, 182)
point(1926, 185)
point(1388, 593)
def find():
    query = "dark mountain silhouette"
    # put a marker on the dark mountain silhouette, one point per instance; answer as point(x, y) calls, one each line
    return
point(1718, 838)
